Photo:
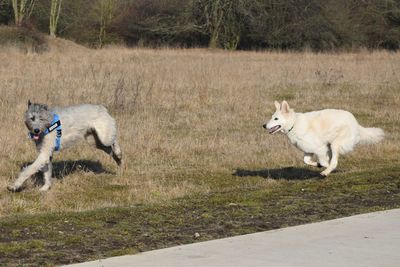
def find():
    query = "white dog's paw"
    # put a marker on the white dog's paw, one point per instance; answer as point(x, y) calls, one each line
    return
point(323, 164)
point(14, 188)
point(312, 163)
point(45, 188)
point(325, 173)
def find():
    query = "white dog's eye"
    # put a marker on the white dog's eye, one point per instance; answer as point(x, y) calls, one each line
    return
point(276, 119)
point(33, 118)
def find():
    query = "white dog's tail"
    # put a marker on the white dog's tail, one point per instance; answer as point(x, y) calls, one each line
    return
point(371, 135)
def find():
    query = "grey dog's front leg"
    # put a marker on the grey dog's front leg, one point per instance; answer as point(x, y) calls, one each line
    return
point(42, 160)
point(47, 171)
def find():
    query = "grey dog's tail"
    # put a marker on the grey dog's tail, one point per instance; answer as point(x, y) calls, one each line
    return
point(370, 135)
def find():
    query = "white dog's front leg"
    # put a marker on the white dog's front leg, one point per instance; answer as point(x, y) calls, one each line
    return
point(42, 160)
point(308, 160)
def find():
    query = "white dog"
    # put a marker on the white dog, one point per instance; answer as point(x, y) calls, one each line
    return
point(324, 133)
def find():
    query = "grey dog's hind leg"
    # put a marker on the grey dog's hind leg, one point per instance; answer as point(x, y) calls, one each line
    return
point(114, 150)
point(117, 153)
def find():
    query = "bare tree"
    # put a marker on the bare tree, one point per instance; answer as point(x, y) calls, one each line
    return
point(106, 10)
point(22, 10)
point(55, 10)
point(214, 12)
point(222, 21)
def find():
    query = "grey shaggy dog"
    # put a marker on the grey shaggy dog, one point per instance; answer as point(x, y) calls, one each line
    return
point(90, 122)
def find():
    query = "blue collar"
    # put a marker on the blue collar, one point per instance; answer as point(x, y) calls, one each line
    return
point(54, 125)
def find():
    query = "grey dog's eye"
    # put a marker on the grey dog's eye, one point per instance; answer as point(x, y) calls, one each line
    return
point(276, 119)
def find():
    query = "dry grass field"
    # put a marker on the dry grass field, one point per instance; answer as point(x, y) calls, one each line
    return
point(190, 126)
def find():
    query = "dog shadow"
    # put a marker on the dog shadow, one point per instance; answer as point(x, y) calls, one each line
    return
point(62, 169)
point(287, 173)
point(65, 168)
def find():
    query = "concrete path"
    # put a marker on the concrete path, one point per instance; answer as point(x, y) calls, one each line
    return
point(364, 240)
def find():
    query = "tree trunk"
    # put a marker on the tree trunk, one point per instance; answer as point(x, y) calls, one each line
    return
point(107, 8)
point(22, 10)
point(55, 10)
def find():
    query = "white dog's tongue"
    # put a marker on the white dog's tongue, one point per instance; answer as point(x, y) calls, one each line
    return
point(35, 137)
point(274, 129)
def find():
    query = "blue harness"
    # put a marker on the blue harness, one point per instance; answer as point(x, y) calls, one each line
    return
point(55, 125)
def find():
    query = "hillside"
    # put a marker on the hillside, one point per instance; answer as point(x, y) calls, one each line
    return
point(33, 41)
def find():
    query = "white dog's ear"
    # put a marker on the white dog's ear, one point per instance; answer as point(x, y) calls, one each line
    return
point(277, 105)
point(285, 107)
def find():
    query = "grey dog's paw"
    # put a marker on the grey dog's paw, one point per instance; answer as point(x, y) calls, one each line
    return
point(13, 188)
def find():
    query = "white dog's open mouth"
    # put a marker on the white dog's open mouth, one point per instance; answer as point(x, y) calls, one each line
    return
point(274, 129)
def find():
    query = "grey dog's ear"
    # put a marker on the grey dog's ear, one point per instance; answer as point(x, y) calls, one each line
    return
point(29, 103)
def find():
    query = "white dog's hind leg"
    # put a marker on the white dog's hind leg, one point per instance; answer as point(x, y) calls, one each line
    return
point(334, 160)
point(323, 160)
point(308, 160)
point(47, 171)
point(39, 163)
point(323, 156)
